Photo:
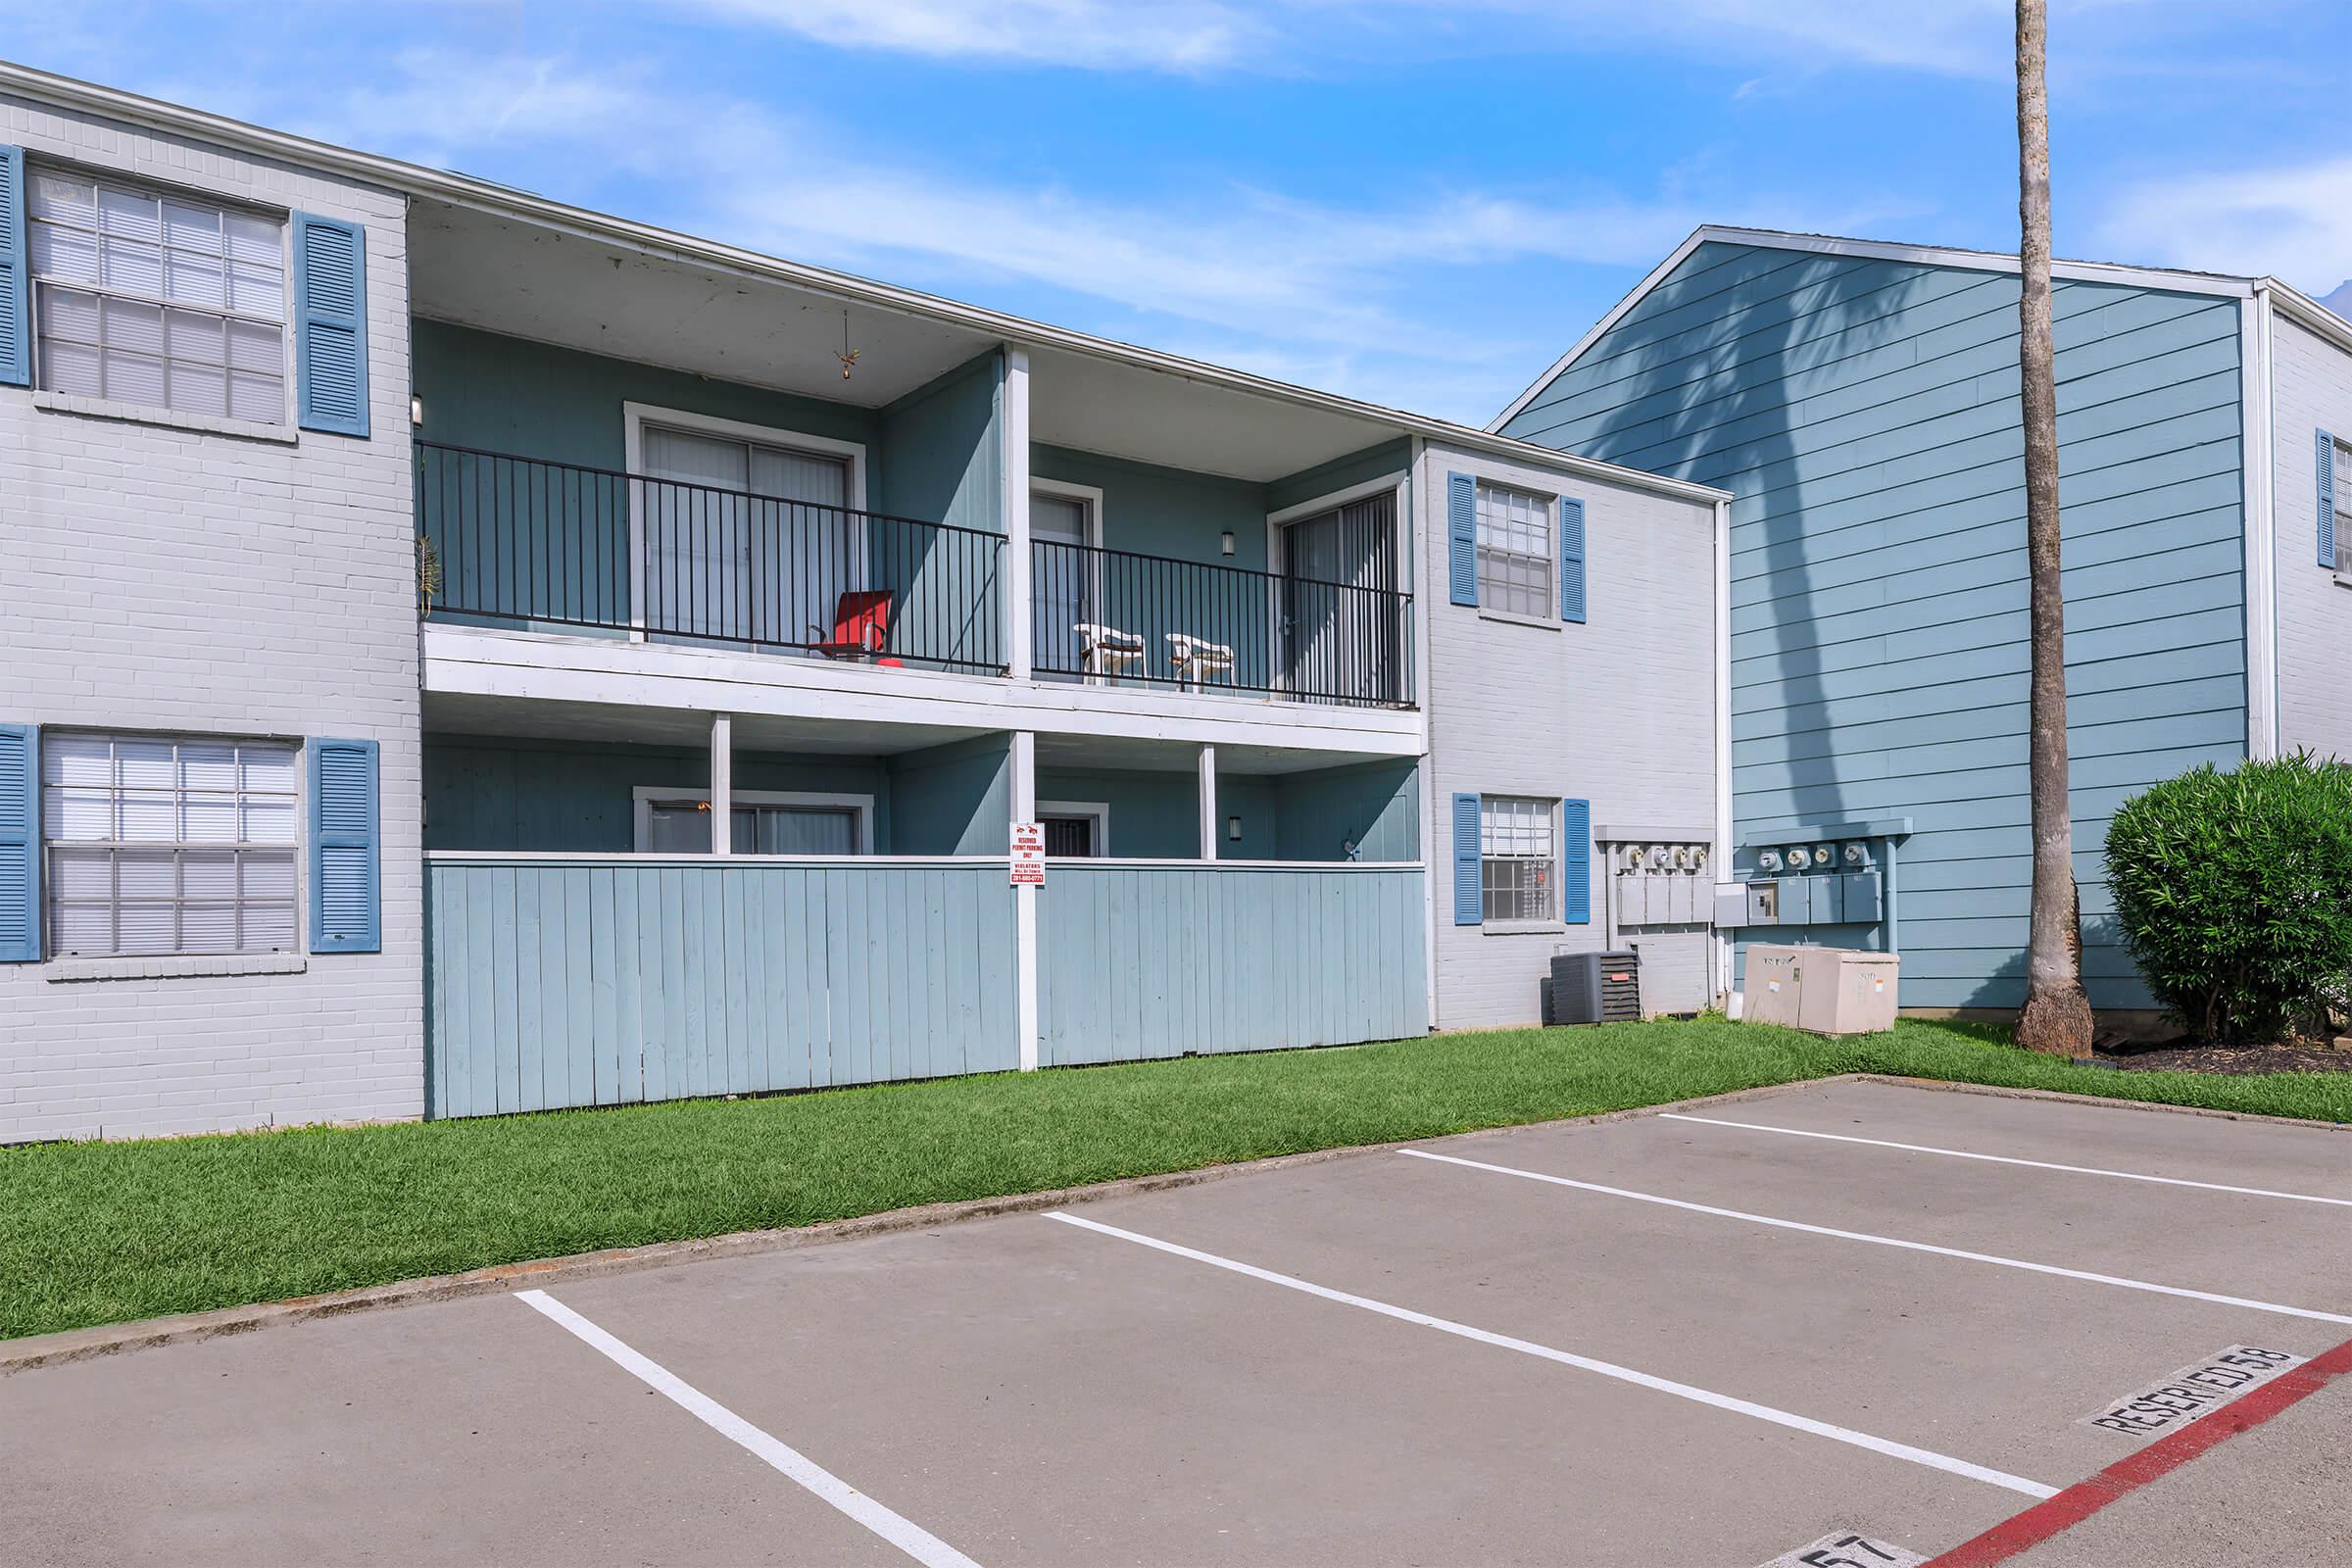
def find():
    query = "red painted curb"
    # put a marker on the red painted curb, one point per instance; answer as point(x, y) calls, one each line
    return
point(2158, 1459)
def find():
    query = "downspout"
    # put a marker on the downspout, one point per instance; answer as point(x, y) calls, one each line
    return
point(2264, 721)
point(1721, 857)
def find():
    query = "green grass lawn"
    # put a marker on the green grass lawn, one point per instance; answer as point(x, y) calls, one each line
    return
point(96, 1233)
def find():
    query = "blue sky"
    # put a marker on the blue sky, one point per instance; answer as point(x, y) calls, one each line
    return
point(1415, 202)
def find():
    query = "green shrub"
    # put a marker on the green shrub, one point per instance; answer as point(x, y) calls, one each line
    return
point(2235, 892)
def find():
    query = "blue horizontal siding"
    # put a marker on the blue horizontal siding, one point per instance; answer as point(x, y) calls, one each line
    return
point(1145, 962)
point(562, 982)
point(1864, 413)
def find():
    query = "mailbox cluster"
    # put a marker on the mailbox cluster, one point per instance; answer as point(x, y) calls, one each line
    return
point(1811, 884)
point(1659, 884)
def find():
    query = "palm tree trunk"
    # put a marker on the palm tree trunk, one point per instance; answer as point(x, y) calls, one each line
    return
point(2056, 1017)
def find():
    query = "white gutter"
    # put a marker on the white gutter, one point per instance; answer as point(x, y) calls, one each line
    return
point(463, 190)
point(2258, 453)
point(1720, 868)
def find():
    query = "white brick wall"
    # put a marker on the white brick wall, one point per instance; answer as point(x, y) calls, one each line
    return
point(1619, 711)
point(160, 579)
point(2310, 390)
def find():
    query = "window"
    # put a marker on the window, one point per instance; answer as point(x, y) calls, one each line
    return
point(678, 822)
point(2343, 507)
point(1517, 846)
point(167, 846)
point(1075, 830)
point(157, 300)
point(1514, 552)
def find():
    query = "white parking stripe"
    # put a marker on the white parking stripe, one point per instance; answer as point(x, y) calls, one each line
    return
point(1680, 1390)
point(910, 1539)
point(1888, 1241)
point(2006, 1159)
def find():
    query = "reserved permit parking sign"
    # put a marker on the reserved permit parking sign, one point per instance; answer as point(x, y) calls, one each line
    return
point(2192, 1391)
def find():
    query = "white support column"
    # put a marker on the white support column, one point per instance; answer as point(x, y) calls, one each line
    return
point(723, 783)
point(1017, 597)
point(1024, 906)
point(1209, 826)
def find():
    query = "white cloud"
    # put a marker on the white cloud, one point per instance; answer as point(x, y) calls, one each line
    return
point(1150, 35)
point(2296, 223)
point(1943, 36)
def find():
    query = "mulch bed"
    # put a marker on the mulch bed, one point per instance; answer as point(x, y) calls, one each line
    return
point(2183, 1055)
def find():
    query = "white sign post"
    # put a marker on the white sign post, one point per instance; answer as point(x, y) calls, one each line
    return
point(1028, 855)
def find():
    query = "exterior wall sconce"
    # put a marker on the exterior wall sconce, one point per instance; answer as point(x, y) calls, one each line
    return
point(416, 410)
point(1233, 827)
point(1225, 543)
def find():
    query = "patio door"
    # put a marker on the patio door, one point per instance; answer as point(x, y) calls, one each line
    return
point(1337, 619)
point(748, 543)
point(683, 827)
point(1062, 595)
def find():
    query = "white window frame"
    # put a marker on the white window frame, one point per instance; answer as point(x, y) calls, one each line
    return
point(645, 795)
point(635, 416)
point(1090, 498)
point(1546, 614)
point(1552, 916)
point(134, 185)
point(1098, 812)
point(299, 846)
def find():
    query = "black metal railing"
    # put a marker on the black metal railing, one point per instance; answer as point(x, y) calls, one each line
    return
point(1112, 616)
point(521, 540)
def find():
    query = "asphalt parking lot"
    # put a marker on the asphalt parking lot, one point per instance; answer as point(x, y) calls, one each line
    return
point(1887, 1319)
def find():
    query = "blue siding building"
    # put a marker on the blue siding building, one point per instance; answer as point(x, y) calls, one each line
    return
point(1860, 403)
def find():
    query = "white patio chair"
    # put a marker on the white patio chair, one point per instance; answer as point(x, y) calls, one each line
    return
point(1106, 652)
point(1198, 660)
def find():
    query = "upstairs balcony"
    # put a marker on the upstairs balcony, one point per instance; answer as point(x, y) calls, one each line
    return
point(537, 545)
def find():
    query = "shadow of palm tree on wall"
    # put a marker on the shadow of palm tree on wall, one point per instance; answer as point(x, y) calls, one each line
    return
point(1734, 426)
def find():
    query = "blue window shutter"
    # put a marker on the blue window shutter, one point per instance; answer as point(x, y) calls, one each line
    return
point(19, 844)
point(15, 294)
point(1575, 861)
point(1462, 537)
point(346, 903)
point(2327, 465)
point(330, 325)
point(1469, 903)
point(1572, 560)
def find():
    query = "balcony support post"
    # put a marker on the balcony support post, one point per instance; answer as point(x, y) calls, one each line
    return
point(1017, 593)
point(1024, 906)
point(723, 784)
point(1208, 802)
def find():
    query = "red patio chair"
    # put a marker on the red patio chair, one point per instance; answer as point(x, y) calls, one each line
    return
point(860, 630)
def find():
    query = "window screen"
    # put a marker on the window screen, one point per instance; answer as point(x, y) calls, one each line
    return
point(165, 846)
point(1517, 846)
point(1514, 551)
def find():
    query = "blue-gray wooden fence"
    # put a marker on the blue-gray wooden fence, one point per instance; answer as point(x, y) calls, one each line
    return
point(591, 981)
point(1158, 960)
point(583, 980)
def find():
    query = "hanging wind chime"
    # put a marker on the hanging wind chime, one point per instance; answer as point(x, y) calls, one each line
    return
point(848, 356)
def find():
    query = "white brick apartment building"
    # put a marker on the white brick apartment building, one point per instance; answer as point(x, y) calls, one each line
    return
point(1333, 715)
point(207, 571)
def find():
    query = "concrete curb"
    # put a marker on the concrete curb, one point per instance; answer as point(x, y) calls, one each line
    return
point(83, 1344)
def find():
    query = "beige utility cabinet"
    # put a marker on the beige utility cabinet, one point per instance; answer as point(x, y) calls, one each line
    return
point(1829, 991)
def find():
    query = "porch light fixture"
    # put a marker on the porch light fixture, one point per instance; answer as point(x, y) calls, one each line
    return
point(1225, 542)
point(1233, 824)
point(416, 410)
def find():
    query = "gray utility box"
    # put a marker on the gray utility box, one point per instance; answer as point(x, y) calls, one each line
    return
point(1594, 988)
point(1829, 991)
point(1832, 897)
